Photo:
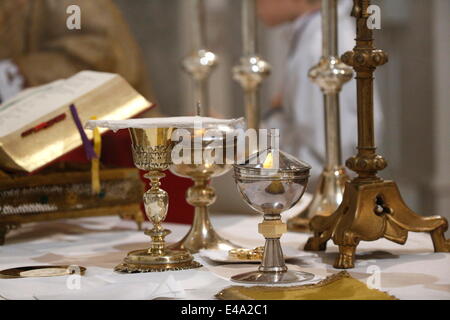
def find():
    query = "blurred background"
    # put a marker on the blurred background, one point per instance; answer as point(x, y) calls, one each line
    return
point(414, 85)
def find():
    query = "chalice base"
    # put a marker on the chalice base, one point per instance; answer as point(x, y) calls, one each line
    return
point(202, 235)
point(204, 241)
point(326, 199)
point(260, 277)
point(141, 261)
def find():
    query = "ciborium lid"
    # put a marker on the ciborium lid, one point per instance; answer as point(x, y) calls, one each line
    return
point(272, 164)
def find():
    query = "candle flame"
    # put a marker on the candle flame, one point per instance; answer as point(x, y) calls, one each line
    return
point(268, 163)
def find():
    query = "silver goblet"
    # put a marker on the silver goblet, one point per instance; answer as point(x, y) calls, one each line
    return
point(201, 195)
point(271, 189)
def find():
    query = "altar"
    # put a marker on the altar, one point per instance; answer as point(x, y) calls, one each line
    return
point(411, 271)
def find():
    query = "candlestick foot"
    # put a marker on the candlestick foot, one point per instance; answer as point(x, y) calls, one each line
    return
point(368, 212)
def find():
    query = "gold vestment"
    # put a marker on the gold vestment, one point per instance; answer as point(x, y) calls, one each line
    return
point(34, 34)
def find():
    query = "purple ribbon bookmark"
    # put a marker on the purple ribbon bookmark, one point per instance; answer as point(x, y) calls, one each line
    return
point(88, 148)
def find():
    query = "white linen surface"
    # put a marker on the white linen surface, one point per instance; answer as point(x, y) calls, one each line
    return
point(412, 271)
point(167, 122)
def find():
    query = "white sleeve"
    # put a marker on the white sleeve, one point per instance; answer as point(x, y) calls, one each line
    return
point(11, 81)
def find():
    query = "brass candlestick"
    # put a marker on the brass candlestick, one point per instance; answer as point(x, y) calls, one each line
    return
point(152, 152)
point(252, 68)
point(329, 74)
point(371, 207)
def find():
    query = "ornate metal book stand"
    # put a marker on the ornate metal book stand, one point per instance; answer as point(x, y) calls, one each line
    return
point(371, 207)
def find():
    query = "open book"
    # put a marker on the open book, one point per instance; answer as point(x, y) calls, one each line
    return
point(36, 126)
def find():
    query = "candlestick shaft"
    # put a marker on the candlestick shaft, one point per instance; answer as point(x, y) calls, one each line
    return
point(249, 27)
point(331, 97)
point(332, 131)
point(252, 69)
point(365, 59)
point(251, 109)
point(201, 97)
point(364, 44)
point(198, 24)
point(329, 28)
point(329, 74)
point(199, 42)
point(200, 62)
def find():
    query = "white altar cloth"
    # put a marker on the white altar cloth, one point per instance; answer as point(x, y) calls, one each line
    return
point(412, 271)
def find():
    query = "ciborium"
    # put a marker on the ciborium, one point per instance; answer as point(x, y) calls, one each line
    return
point(271, 182)
point(202, 195)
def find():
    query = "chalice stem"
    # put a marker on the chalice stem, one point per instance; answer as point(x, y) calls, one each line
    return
point(272, 229)
point(157, 233)
point(154, 177)
point(158, 244)
point(273, 259)
point(202, 234)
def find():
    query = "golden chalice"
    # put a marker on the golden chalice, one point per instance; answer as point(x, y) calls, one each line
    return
point(152, 149)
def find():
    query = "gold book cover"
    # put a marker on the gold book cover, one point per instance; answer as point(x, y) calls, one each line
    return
point(36, 127)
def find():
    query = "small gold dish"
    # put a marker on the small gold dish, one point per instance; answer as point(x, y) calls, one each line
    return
point(42, 271)
point(247, 254)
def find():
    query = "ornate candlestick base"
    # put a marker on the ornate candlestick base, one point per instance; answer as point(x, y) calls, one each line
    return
point(369, 212)
point(326, 200)
point(273, 269)
point(202, 234)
